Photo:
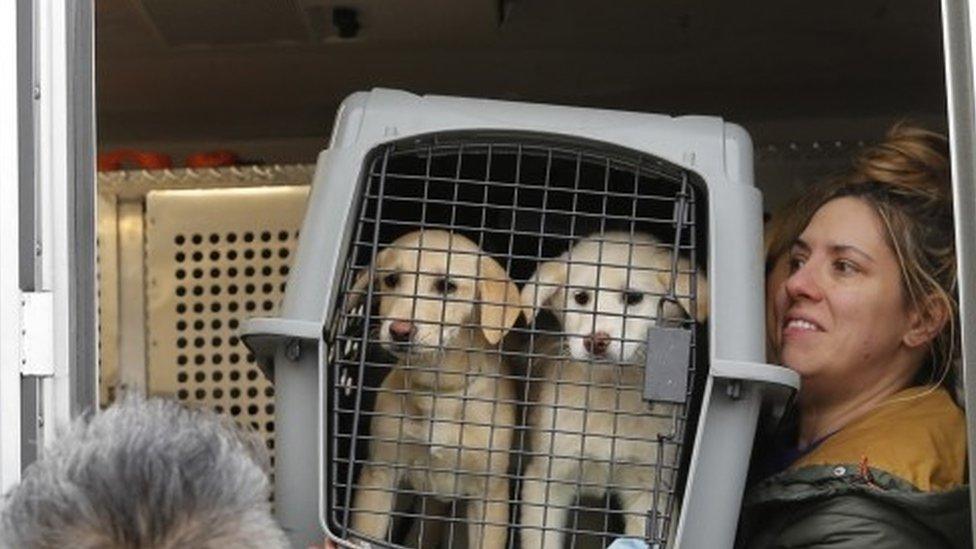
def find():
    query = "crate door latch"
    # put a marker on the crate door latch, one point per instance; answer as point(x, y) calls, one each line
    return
point(666, 364)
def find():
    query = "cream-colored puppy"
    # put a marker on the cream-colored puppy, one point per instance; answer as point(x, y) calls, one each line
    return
point(590, 428)
point(444, 415)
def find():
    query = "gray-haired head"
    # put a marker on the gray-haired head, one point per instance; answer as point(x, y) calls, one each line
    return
point(145, 474)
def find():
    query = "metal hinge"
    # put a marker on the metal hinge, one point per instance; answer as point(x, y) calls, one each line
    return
point(36, 334)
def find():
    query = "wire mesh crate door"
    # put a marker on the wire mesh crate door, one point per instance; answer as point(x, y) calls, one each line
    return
point(444, 433)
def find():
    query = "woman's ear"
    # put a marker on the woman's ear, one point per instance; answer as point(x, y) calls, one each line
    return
point(926, 321)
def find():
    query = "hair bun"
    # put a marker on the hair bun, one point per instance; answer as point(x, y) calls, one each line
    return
point(911, 160)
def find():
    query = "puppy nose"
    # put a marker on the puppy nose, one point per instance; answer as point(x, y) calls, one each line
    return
point(401, 331)
point(596, 343)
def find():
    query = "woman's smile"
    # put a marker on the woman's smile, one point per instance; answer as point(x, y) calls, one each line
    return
point(799, 325)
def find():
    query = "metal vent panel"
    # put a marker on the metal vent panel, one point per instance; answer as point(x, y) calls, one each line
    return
point(214, 258)
point(522, 200)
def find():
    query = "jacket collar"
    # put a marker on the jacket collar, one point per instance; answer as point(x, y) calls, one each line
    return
point(917, 435)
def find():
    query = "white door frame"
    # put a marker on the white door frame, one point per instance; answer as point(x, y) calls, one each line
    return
point(48, 355)
point(958, 21)
point(9, 250)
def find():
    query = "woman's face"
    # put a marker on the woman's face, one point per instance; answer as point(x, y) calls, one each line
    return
point(839, 314)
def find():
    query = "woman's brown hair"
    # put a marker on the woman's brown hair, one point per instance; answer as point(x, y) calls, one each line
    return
point(906, 179)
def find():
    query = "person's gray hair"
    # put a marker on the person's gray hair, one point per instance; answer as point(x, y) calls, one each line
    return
point(145, 474)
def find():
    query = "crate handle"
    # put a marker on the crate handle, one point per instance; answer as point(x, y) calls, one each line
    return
point(263, 336)
point(776, 378)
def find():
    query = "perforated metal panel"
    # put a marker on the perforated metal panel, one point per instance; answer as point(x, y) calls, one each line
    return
point(213, 258)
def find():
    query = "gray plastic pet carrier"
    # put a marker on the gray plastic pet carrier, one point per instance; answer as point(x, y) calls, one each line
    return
point(513, 325)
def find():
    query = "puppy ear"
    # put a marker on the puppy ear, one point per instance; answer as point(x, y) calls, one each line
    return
point(682, 288)
point(500, 303)
point(548, 278)
point(358, 291)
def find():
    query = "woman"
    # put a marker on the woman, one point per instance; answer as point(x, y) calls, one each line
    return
point(861, 303)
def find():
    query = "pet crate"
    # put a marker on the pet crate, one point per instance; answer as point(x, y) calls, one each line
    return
point(522, 185)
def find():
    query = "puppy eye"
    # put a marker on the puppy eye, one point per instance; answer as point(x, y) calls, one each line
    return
point(444, 286)
point(633, 298)
point(582, 298)
point(391, 279)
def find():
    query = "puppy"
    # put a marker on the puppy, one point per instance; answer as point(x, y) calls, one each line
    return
point(590, 431)
point(444, 415)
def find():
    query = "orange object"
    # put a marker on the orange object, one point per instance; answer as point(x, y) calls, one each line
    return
point(128, 158)
point(211, 159)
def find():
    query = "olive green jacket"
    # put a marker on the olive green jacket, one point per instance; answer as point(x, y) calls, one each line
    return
point(894, 479)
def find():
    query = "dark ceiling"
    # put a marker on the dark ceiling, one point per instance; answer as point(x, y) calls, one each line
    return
point(255, 69)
